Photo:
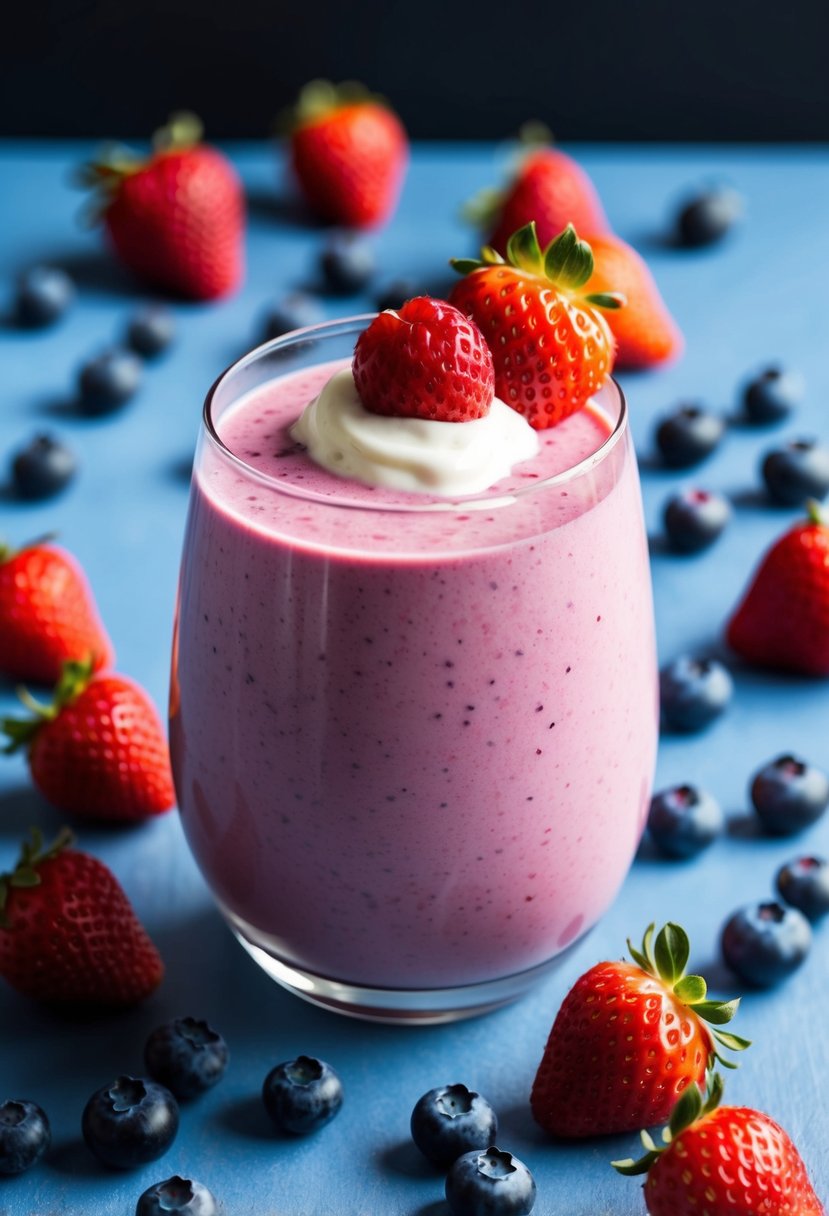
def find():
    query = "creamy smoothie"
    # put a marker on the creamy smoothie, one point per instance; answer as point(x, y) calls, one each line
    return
point(413, 739)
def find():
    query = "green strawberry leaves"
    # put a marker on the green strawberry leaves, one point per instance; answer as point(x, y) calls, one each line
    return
point(567, 262)
point(20, 732)
point(691, 1106)
point(25, 873)
point(665, 957)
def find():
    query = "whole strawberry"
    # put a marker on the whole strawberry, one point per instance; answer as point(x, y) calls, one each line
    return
point(628, 1039)
point(551, 346)
point(550, 188)
point(68, 934)
point(47, 615)
point(349, 153)
point(425, 360)
point(722, 1161)
point(645, 331)
point(98, 751)
point(782, 621)
point(177, 218)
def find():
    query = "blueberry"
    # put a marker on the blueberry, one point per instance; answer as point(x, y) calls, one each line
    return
point(694, 519)
point(804, 883)
point(771, 396)
point(151, 330)
point(490, 1183)
point(789, 795)
point(684, 820)
point(182, 1195)
point(43, 295)
point(24, 1135)
point(708, 217)
point(452, 1120)
point(295, 311)
point(302, 1095)
point(395, 294)
point(693, 692)
point(688, 436)
point(187, 1056)
point(43, 468)
point(347, 263)
point(796, 472)
point(130, 1122)
point(765, 943)
point(109, 380)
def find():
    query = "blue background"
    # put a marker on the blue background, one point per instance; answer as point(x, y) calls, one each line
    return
point(758, 298)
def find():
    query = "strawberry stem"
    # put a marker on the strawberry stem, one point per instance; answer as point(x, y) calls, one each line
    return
point(689, 1108)
point(20, 732)
point(25, 874)
point(815, 513)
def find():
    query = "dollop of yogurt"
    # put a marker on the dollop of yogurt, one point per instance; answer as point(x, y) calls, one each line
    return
point(415, 454)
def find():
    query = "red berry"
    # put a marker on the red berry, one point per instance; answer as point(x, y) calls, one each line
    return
point(349, 153)
point(426, 360)
point(551, 347)
point(628, 1039)
point(176, 220)
point(68, 933)
point(782, 621)
point(554, 191)
point(99, 751)
point(47, 615)
point(645, 332)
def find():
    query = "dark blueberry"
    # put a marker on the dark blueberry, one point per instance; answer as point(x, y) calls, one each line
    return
point(109, 380)
point(688, 436)
point(151, 330)
point(694, 519)
point(394, 294)
point(771, 396)
point(693, 692)
point(43, 468)
point(490, 1183)
point(789, 795)
point(43, 295)
point(302, 1095)
point(452, 1120)
point(708, 217)
point(684, 820)
point(187, 1056)
point(24, 1135)
point(804, 883)
point(765, 943)
point(182, 1195)
point(347, 263)
point(796, 472)
point(295, 311)
point(130, 1122)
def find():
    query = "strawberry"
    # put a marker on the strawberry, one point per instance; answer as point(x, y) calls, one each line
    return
point(176, 219)
point(427, 360)
point(98, 750)
point(349, 152)
point(47, 615)
point(550, 188)
point(644, 330)
point(722, 1161)
point(68, 934)
point(551, 348)
point(782, 621)
point(628, 1039)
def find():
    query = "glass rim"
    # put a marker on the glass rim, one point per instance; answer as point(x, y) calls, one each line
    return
point(356, 323)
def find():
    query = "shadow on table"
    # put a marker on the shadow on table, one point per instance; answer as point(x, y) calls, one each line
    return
point(21, 809)
point(74, 1158)
point(406, 1159)
point(247, 1119)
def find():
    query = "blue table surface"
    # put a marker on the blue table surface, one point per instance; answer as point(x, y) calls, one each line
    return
point(760, 297)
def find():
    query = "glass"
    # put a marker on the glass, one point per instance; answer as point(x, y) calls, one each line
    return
point(413, 740)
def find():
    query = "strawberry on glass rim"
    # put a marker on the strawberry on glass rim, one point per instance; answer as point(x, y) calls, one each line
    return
point(176, 218)
point(424, 360)
point(551, 347)
point(722, 1161)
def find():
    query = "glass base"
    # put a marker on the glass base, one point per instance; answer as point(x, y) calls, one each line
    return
point(413, 1006)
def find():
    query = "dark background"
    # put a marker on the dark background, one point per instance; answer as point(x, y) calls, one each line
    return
point(592, 69)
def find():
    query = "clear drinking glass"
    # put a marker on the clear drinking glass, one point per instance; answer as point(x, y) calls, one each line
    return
point(413, 739)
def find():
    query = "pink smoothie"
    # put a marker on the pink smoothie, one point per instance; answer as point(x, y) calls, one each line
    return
point(413, 741)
